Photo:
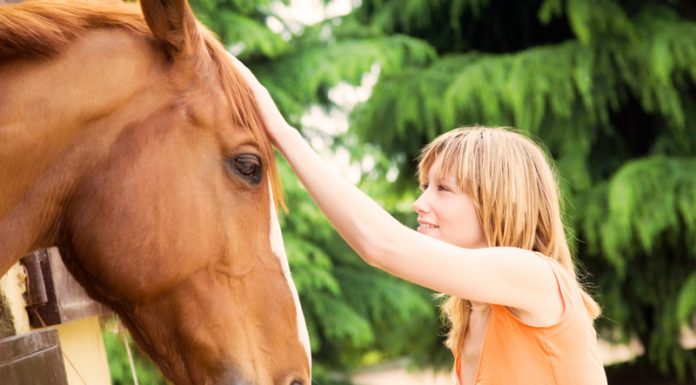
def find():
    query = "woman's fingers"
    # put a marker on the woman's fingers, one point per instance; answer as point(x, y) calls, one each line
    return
point(243, 70)
point(273, 119)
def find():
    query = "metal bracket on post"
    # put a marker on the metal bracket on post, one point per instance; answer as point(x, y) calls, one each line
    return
point(36, 288)
point(53, 294)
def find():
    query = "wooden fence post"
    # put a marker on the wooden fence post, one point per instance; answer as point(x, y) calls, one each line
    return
point(39, 293)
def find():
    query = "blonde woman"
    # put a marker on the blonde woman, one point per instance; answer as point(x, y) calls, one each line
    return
point(490, 236)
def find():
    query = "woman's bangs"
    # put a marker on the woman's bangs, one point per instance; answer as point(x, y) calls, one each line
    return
point(454, 157)
point(459, 161)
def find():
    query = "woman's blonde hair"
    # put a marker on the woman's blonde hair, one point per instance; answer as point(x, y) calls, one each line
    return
point(515, 192)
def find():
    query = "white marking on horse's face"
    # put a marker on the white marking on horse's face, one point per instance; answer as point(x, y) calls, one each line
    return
point(278, 248)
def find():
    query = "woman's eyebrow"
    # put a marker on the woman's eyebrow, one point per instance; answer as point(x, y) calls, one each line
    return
point(452, 184)
point(448, 181)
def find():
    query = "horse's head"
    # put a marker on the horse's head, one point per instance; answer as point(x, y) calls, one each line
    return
point(156, 182)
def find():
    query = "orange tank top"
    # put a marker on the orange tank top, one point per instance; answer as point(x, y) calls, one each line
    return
point(566, 353)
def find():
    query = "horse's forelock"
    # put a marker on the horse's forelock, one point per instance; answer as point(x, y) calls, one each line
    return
point(244, 110)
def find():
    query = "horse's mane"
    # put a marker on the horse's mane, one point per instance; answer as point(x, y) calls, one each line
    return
point(41, 29)
point(44, 28)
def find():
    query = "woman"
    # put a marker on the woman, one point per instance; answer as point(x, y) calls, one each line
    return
point(490, 236)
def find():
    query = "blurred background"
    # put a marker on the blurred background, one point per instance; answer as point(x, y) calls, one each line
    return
point(607, 86)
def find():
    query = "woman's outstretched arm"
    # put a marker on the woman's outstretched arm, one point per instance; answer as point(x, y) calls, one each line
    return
point(507, 276)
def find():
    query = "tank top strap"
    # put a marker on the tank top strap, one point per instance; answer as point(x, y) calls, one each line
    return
point(567, 288)
point(458, 368)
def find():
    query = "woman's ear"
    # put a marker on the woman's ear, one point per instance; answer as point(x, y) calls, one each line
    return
point(173, 23)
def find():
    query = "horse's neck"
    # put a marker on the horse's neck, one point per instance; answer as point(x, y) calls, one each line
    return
point(55, 115)
point(29, 145)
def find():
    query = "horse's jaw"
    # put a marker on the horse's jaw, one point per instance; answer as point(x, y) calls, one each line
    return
point(219, 349)
point(183, 365)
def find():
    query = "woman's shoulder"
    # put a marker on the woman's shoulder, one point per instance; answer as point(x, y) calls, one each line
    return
point(567, 300)
point(563, 275)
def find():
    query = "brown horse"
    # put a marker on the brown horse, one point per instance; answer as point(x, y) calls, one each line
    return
point(133, 145)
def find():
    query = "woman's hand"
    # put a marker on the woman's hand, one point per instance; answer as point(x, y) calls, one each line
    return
point(275, 124)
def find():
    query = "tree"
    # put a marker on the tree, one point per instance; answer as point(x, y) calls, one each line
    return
point(609, 88)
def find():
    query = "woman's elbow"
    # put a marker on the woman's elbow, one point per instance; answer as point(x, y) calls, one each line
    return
point(375, 251)
point(367, 253)
point(379, 244)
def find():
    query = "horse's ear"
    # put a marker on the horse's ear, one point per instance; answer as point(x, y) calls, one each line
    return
point(173, 23)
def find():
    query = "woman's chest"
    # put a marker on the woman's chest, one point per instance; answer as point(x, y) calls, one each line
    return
point(473, 342)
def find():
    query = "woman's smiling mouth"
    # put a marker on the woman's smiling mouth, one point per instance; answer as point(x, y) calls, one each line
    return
point(422, 226)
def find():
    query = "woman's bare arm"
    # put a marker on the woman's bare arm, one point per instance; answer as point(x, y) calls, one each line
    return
point(502, 275)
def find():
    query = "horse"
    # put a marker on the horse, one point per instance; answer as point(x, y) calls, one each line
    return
point(129, 141)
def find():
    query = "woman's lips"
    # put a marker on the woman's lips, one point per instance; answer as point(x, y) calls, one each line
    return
point(423, 227)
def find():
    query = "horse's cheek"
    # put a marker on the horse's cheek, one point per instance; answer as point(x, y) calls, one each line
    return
point(130, 241)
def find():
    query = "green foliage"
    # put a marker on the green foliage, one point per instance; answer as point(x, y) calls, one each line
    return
point(470, 88)
point(574, 86)
point(640, 223)
point(412, 15)
point(647, 198)
point(686, 302)
point(594, 21)
point(241, 23)
point(120, 368)
point(308, 73)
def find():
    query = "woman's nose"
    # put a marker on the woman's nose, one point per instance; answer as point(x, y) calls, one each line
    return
point(420, 205)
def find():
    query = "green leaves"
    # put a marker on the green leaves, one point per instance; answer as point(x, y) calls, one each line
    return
point(645, 200)
point(533, 90)
point(307, 74)
point(119, 366)
point(593, 21)
point(686, 302)
point(241, 25)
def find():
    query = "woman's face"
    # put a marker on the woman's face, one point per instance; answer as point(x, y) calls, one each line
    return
point(447, 213)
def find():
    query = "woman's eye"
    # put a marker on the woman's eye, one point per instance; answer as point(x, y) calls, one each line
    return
point(247, 166)
point(443, 188)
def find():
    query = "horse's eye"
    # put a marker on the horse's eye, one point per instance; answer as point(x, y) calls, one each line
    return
point(247, 166)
